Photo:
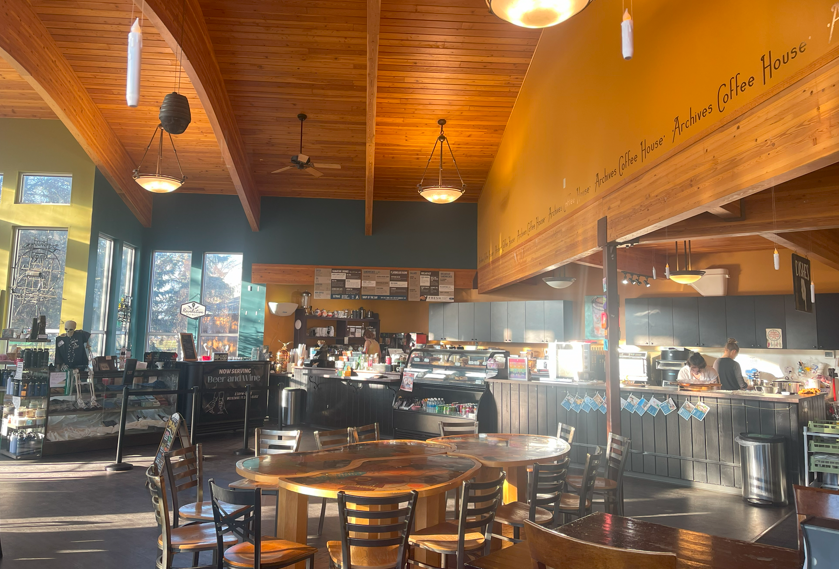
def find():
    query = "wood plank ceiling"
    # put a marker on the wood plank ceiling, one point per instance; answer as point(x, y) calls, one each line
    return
point(438, 59)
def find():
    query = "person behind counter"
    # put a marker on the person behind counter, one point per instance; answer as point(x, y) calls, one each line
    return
point(731, 377)
point(697, 371)
point(371, 346)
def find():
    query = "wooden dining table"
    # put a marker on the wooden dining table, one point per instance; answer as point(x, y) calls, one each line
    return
point(376, 468)
point(693, 550)
point(512, 453)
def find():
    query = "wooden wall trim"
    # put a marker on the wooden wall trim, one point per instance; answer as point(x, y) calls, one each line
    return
point(788, 132)
point(374, 14)
point(185, 21)
point(28, 46)
point(305, 274)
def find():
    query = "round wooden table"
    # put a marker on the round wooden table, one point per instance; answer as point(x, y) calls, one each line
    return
point(372, 469)
point(509, 452)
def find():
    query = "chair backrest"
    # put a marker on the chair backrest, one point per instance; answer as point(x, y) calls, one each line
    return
point(547, 487)
point(817, 503)
point(593, 462)
point(243, 519)
point(565, 432)
point(617, 454)
point(184, 469)
point(276, 442)
point(365, 434)
point(551, 549)
point(157, 488)
point(359, 515)
point(338, 437)
point(458, 428)
point(478, 502)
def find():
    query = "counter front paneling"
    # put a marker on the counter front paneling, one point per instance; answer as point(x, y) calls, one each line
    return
point(665, 446)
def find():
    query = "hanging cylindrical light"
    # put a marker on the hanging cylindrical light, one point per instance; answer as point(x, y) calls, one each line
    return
point(627, 41)
point(439, 192)
point(812, 292)
point(536, 13)
point(777, 259)
point(132, 77)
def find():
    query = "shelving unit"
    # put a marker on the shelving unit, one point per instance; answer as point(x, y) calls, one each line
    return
point(23, 431)
point(302, 325)
point(820, 444)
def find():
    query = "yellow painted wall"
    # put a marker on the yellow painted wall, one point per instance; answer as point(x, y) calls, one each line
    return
point(47, 147)
point(583, 110)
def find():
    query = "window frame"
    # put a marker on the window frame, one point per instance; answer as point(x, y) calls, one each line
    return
point(149, 333)
point(108, 279)
point(200, 344)
point(130, 282)
point(20, 187)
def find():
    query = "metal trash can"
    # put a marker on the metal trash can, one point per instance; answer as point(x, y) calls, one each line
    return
point(764, 468)
point(294, 405)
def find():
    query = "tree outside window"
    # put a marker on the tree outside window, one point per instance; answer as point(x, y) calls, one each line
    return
point(44, 189)
point(169, 289)
point(221, 293)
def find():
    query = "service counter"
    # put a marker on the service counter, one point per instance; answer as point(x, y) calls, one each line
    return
point(665, 446)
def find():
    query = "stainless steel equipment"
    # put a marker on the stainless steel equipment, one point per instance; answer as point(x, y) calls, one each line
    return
point(763, 464)
point(671, 362)
point(632, 367)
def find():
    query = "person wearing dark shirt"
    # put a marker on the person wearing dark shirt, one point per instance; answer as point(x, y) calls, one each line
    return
point(731, 377)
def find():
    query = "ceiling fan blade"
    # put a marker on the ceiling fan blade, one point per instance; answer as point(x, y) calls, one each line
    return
point(328, 166)
point(282, 169)
point(314, 172)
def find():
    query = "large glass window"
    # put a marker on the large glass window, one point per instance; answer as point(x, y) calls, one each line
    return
point(169, 289)
point(101, 294)
point(221, 293)
point(37, 281)
point(42, 189)
point(126, 293)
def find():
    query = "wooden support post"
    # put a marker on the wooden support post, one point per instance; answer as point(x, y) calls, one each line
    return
point(613, 333)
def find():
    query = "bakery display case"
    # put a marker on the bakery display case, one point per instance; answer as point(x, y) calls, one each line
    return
point(447, 385)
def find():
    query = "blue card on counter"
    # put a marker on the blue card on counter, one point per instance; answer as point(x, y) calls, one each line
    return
point(700, 410)
point(586, 406)
point(567, 402)
point(623, 403)
point(668, 407)
point(576, 407)
point(641, 408)
point(603, 408)
point(654, 407)
point(685, 410)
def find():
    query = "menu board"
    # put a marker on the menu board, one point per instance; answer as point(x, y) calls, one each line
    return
point(384, 284)
point(431, 286)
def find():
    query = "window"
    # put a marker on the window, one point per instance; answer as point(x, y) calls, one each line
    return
point(40, 189)
point(169, 289)
point(221, 293)
point(126, 292)
point(37, 281)
point(101, 295)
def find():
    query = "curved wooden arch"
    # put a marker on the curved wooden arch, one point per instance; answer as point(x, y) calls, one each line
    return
point(185, 20)
point(28, 46)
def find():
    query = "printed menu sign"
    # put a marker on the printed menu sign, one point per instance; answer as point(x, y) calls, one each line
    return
point(384, 284)
point(363, 284)
point(346, 284)
point(323, 284)
point(431, 286)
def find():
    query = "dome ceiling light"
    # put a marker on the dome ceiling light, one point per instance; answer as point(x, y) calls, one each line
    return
point(687, 275)
point(536, 13)
point(174, 119)
point(439, 192)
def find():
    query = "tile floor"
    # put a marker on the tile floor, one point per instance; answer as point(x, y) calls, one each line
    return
point(67, 512)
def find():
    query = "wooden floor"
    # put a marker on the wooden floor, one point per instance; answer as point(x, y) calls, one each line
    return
point(67, 512)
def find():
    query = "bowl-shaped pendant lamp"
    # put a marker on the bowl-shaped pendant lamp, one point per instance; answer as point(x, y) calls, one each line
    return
point(536, 13)
point(440, 192)
point(686, 275)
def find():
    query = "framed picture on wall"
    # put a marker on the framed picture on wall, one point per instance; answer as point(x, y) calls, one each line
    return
point(188, 347)
point(595, 309)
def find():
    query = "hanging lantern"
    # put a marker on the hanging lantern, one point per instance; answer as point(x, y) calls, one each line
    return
point(132, 77)
point(439, 192)
point(174, 113)
point(627, 41)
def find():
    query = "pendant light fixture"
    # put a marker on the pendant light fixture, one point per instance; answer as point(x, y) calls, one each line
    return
point(559, 280)
point(627, 39)
point(439, 192)
point(536, 13)
point(776, 258)
point(158, 182)
point(687, 275)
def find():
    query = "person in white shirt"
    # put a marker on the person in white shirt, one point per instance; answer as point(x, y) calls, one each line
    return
point(697, 371)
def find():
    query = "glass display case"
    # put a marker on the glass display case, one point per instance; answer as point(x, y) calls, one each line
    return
point(23, 427)
point(447, 385)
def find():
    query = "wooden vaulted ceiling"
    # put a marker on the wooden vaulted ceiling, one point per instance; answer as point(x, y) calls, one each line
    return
point(437, 59)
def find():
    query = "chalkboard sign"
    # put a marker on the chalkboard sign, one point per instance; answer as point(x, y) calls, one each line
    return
point(175, 426)
point(188, 347)
point(801, 284)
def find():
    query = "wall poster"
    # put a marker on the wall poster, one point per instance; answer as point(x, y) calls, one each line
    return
point(595, 317)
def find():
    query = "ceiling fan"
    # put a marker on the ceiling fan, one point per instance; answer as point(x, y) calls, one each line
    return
point(303, 162)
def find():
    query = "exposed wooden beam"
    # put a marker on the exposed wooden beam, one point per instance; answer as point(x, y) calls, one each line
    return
point(182, 26)
point(729, 211)
point(28, 46)
point(798, 133)
point(807, 203)
point(305, 274)
point(374, 14)
point(822, 246)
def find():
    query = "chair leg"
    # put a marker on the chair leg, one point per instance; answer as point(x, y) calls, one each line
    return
point(516, 533)
point(322, 516)
point(195, 557)
point(276, 514)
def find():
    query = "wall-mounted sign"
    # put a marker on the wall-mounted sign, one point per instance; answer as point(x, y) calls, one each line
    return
point(431, 286)
point(384, 284)
point(193, 310)
point(774, 338)
point(801, 283)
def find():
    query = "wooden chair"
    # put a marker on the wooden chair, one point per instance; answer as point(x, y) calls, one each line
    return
point(611, 486)
point(364, 434)
point(545, 494)
point(193, 538)
point(551, 549)
point(472, 533)
point(269, 442)
point(579, 504)
point(384, 548)
point(814, 503)
point(448, 429)
point(326, 439)
point(238, 514)
point(565, 432)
